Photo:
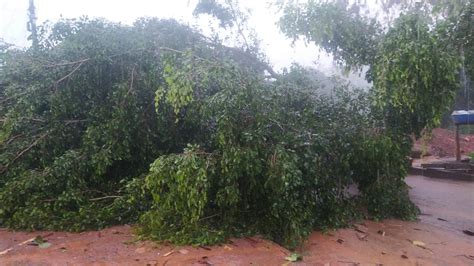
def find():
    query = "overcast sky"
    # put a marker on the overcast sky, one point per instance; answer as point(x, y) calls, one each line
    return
point(13, 18)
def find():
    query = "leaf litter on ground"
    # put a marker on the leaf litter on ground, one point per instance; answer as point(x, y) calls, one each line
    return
point(40, 242)
point(5, 251)
point(361, 228)
point(468, 232)
point(294, 257)
point(169, 253)
point(361, 236)
point(183, 251)
point(421, 244)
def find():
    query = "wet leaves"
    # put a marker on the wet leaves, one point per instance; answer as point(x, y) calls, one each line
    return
point(418, 243)
point(140, 250)
point(421, 245)
point(204, 261)
point(40, 242)
point(361, 228)
point(470, 257)
point(468, 232)
point(183, 251)
point(44, 245)
point(294, 257)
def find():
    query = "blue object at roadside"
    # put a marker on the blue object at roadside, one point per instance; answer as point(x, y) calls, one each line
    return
point(462, 117)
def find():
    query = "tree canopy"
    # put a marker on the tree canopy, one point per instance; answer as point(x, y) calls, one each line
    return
point(422, 51)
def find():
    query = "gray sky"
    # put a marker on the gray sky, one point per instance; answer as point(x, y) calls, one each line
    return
point(13, 18)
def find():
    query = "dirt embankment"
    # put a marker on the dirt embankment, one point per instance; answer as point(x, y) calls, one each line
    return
point(443, 143)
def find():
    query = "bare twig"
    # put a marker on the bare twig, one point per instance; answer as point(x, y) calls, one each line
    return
point(75, 121)
point(471, 257)
point(68, 121)
point(5, 251)
point(277, 123)
point(13, 138)
point(208, 217)
point(105, 197)
point(237, 22)
point(38, 120)
point(69, 63)
point(130, 87)
point(70, 73)
point(348, 261)
point(131, 81)
point(23, 152)
point(11, 97)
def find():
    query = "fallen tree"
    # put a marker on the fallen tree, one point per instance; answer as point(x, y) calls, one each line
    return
point(232, 151)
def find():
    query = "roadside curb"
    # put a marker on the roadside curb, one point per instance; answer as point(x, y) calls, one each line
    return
point(440, 173)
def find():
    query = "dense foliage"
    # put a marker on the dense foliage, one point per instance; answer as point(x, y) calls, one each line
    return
point(78, 121)
point(231, 151)
point(279, 161)
point(415, 76)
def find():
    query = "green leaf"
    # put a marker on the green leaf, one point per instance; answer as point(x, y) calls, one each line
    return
point(44, 245)
point(294, 257)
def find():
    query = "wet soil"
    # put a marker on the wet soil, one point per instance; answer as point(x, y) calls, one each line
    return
point(442, 143)
point(447, 209)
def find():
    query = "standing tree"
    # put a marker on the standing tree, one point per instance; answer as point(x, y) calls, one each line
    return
point(410, 64)
point(31, 26)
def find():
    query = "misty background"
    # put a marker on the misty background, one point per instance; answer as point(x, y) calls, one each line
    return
point(263, 16)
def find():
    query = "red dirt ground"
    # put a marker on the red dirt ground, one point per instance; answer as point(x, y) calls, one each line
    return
point(389, 242)
point(443, 143)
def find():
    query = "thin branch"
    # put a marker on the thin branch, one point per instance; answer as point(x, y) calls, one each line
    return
point(130, 87)
point(237, 22)
point(68, 121)
point(23, 152)
point(88, 59)
point(69, 63)
point(277, 123)
point(13, 138)
point(70, 73)
point(209, 217)
point(11, 97)
point(50, 200)
point(131, 81)
point(106, 197)
point(170, 49)
point(38, 120)
point(75, 121)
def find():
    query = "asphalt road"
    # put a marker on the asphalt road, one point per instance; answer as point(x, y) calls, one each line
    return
point(446, 204)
